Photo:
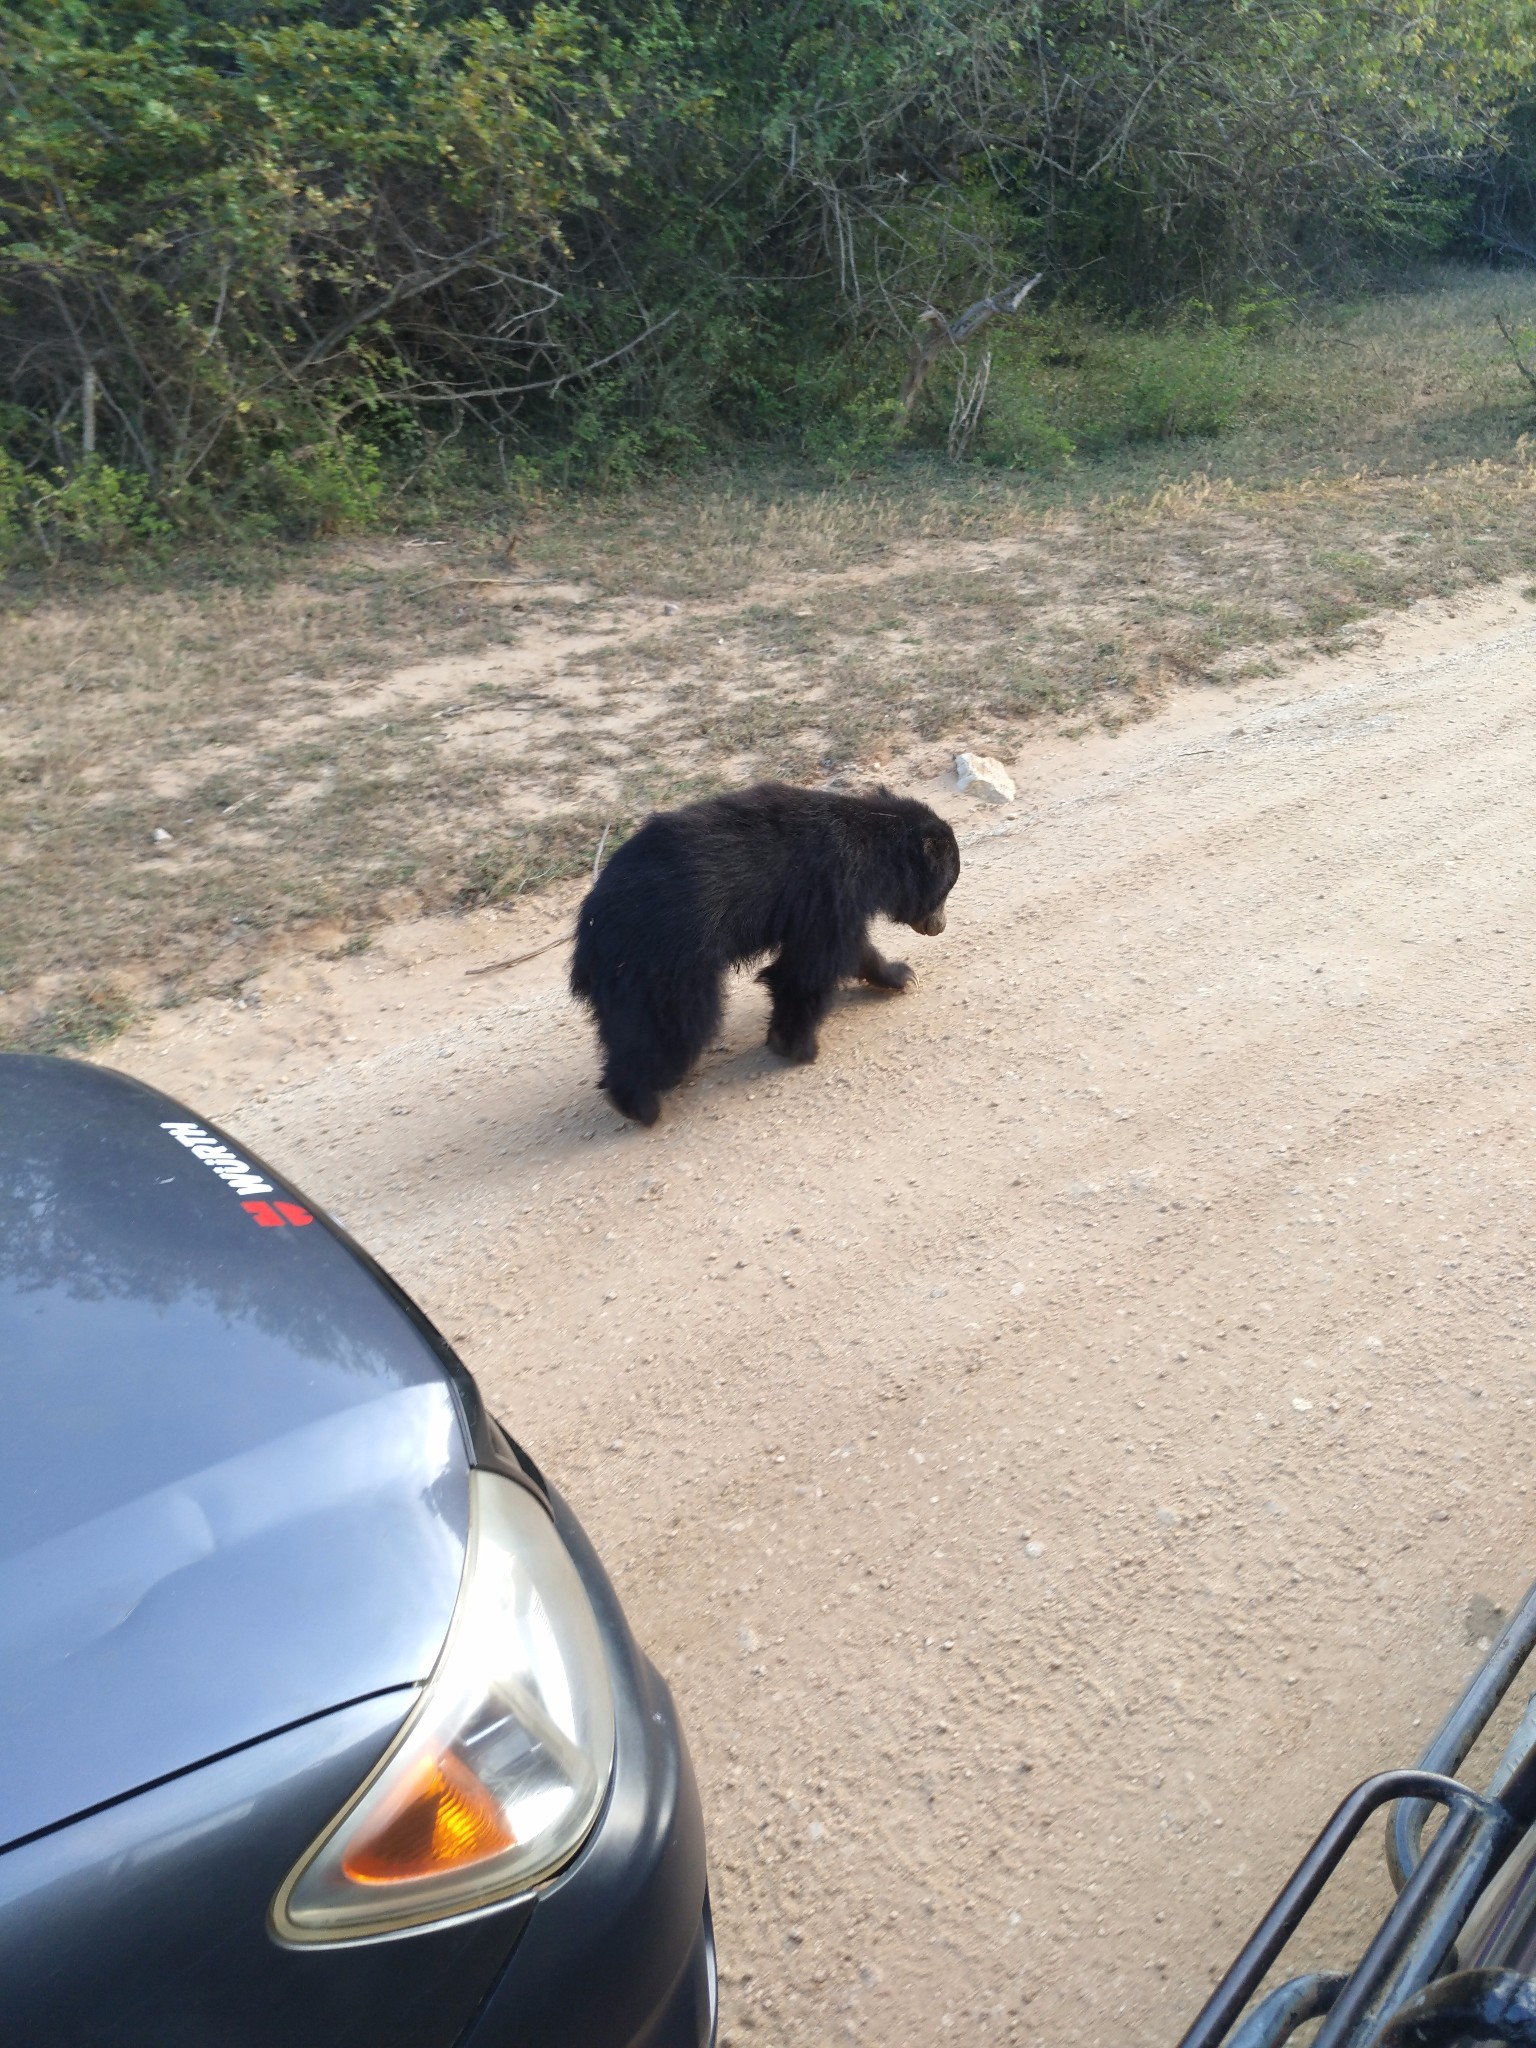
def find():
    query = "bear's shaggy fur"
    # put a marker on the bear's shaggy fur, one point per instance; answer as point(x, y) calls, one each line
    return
point(792, 872)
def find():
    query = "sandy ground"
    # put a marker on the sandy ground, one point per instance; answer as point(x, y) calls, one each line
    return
point(1058, 1442)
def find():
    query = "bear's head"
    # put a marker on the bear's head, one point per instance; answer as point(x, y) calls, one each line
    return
point(936, 869)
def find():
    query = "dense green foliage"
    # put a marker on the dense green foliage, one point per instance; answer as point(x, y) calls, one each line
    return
point(271, 257)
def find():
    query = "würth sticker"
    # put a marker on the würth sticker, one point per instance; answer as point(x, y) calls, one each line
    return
point(240, 1175)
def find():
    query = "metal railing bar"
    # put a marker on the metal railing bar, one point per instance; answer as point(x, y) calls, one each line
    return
point(1421, 1929)
point(1275, 2018)
point(1452, 1743)
point(1485, 2005)
point(1226, 2002)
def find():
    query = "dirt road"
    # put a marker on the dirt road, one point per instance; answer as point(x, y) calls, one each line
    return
point(1059, 1441)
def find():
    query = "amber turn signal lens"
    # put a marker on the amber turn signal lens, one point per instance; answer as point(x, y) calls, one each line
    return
point(442, 1819)
point(498, 1773)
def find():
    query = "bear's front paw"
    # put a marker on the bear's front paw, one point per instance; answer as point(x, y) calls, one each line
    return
point(875, 971)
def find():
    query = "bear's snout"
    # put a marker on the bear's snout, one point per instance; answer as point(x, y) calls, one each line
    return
point(931, 925)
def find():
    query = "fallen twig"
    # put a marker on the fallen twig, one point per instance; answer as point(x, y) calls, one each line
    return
point(517, 959)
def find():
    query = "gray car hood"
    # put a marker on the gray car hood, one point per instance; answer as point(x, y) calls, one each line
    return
point(233, 1469)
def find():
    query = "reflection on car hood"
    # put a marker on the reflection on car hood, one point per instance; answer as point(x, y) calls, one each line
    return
point(233, 1477)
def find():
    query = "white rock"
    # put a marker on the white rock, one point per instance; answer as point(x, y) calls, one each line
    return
point(984, 778)
point(161, 837)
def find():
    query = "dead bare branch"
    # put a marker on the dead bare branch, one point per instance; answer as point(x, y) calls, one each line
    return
point(970, 400)
point(941, 334)
point(425, 279)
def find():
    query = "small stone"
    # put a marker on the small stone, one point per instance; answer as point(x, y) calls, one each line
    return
point(1034, 1549)
point(161, 837)
point(669, 609)
point(985, 778)
point(1299, 1404)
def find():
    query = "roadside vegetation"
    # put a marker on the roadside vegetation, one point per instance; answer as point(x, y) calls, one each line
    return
point(285, 266)
point(433, 434)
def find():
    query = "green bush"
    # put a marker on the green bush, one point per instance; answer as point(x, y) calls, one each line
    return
point(856, 434)
point(1021, 427)
point(609, 443)
point(243, 222)
point(330, 487)
point(94, 510)
point(13, 495)
point(1072, 384)
point(1164, 387)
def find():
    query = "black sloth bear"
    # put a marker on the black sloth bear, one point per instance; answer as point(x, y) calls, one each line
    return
point(794, 872)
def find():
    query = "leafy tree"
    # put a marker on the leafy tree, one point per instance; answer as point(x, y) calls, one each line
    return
point(247, 247)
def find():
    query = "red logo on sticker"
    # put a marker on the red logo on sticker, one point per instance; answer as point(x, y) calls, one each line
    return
point(273, 1215)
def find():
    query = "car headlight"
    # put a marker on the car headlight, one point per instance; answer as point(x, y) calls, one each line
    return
point(496, 1778)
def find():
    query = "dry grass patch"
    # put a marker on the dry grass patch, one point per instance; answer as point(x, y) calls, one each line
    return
point(363, 729)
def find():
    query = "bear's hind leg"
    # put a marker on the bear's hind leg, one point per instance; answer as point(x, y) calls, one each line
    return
point(653, 1036)
point(633, 1099)
point(633, 1074)
point(879, 972)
